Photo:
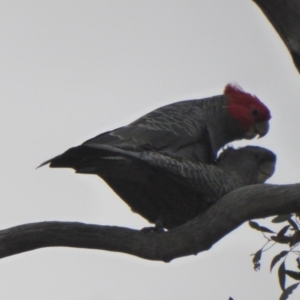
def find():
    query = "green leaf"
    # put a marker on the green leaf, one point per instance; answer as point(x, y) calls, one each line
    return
point(298, 262)
point(288, 291)
point(293, 274)
point(256, 226)
point(283, 230)
point(293, 223)
point(256, 259)
point(277, 258)
point(295, 238)
point(281, 218)
point(281, 239)
point(281, 276)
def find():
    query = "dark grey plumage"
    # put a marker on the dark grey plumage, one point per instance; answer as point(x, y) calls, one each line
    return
point(193, 129)
point(171, 191)
point(185, 129)
point(143, 158)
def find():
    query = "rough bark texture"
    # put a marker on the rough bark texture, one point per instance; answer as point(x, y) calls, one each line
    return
point(256, 201)
point(284, 15)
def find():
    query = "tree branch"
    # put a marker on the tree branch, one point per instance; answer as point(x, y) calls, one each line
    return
point(285, 17)
point(256, 201)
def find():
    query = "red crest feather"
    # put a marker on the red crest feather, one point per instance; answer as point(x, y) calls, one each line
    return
point(241, 106)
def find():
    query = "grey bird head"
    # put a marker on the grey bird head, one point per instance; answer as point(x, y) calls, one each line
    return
point(253, 164)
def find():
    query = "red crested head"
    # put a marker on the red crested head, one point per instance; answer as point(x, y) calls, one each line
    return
point(245, 108)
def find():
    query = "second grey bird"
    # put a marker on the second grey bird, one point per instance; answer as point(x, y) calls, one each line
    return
point(168, 191)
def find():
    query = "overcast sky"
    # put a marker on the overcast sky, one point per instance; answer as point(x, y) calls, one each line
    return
point(70, 70)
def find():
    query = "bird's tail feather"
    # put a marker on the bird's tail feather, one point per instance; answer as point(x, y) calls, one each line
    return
point(76, 157)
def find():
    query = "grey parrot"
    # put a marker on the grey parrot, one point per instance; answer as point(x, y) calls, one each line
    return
point(186, 134)
point(192, 129)
point(168, 191)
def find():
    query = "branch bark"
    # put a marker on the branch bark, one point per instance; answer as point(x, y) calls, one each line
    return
point(251, 202)
point(284, 15)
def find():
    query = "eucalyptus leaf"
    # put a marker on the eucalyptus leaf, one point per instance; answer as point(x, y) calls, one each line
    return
point(281, 276)
point(277, 258)
point(288, 291)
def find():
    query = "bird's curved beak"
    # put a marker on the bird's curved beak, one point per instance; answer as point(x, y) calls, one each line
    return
point(267, 169)
point(262, 128)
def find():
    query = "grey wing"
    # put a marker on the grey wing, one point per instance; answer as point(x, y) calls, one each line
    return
point(175, 129)
point(209, 180)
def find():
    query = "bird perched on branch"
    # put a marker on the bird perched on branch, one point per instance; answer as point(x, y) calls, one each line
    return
point(187, 134)
point(168, 191)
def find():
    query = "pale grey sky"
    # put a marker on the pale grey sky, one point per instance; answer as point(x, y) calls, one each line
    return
point(70, 70)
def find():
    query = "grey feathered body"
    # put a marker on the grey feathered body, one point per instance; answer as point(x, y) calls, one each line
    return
point(155, 164)
point(193, 129)
point(173, 190)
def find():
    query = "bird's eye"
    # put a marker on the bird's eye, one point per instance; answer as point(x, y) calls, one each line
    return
point(254, 112)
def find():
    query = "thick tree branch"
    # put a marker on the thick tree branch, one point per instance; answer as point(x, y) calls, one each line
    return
point(284, 15)
point(256, 201)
